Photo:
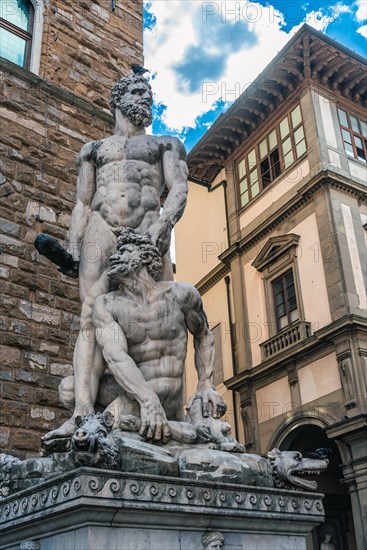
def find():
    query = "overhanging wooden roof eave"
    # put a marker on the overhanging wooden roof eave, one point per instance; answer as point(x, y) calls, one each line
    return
point(214, 131)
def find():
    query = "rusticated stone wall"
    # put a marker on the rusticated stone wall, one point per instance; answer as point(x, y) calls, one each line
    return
point(44, 121)
point(86, 46)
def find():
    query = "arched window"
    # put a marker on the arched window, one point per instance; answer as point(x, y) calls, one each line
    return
point(16, 29)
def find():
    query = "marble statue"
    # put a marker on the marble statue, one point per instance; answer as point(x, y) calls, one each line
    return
point(120, 182)
point(127, 393)
point(326, 544)
point(142, 331)
point(213, 540)
point(30, 545)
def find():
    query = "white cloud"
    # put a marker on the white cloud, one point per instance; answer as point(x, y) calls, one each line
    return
point(363, 31)
point(320, 20)
point(361, 13)
point(180, 26)
point(176, 29)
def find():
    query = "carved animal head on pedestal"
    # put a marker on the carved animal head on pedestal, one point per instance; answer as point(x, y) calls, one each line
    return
point(92, 441)
point(290, 468)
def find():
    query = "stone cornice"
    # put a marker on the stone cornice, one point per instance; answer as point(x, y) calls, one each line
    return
point(51, 89)
point(212, 278)
point(349, 428)
point(321, 340)
point(107, 492)
point(304, 195)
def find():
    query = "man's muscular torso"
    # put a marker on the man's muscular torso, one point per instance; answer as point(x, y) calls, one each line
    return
point(156, 334)
point(129, 178)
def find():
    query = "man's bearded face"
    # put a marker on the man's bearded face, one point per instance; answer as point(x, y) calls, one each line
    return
point(126, 262)
point(136, 104)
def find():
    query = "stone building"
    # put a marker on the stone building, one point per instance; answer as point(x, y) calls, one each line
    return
point(276, 226)
point(58, 61)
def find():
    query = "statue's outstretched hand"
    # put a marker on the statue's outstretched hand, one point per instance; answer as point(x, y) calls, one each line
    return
point(213, 403)
point(160, 235)
point(154, 423)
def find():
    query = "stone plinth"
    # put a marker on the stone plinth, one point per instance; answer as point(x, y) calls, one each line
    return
point(99, 509)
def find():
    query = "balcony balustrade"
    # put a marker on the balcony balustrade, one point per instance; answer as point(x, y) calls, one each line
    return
point(288, 337)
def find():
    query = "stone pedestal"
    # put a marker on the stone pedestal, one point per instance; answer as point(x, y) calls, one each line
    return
point(90, 509)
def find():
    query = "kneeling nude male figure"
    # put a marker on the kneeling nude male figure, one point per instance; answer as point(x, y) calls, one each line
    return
point(142, 330)
point(120, 181)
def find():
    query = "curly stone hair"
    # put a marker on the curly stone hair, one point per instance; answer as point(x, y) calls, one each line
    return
point(212, 536)
point(120, 88)
point(151, 254)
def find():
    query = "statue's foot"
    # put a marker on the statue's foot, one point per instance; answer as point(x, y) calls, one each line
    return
point(66, 430)
point(232, 446)
point(204, 434)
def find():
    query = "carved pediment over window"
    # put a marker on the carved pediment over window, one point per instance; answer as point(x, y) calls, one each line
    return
point(274, 249)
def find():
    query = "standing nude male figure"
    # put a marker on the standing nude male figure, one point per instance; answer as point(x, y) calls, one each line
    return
point(120, 182)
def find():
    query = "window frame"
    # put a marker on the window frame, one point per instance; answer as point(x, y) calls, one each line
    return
point(257, 166)
point(288, 311)
point(35, 30)
point(353, 133)
point(278, 256)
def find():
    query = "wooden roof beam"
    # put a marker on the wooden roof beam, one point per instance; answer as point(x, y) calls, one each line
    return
point(291, 69)
point(334, 67)
point(345, 73)
point(284, 81)
point(360, 89)
point(318, 67)
point(251, 108)
point(223, 147)
point(270, 89)
point(235, 140)
point(306, 56)
point(315, 55)
point(352, 81)
point(240, 128)
point(214, 155)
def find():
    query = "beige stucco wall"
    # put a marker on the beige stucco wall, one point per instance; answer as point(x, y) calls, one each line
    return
point(273, 400)
point(215, 306)
point(319, 378)
point(311, 274)
point(257, 330)
point(201, 234)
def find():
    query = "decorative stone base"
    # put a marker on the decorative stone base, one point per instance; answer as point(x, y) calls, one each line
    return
point(90, 509)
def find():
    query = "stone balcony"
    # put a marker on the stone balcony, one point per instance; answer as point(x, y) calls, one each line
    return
point(288, 337)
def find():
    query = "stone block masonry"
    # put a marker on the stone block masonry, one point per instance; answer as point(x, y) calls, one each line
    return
point(86, 47)
point(44, 122)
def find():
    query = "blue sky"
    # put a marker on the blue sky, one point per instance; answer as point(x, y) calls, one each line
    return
point(203, 54)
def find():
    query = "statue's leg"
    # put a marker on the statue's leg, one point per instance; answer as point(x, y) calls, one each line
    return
point(98, 245)
point(125, 410)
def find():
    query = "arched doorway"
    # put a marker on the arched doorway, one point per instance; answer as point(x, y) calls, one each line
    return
point(338, 511)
